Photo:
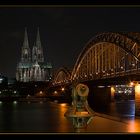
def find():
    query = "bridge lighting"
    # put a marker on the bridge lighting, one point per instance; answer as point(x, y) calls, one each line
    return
point(101, 86)
point(121, 67)
point(131, 83)
point(15, 91)
point(62, 89)
point(14, 102)
point(137, 89)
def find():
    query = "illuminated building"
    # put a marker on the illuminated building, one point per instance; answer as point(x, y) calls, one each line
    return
point(32, 66)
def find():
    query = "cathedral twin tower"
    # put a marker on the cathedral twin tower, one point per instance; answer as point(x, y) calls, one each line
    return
point(32, 66)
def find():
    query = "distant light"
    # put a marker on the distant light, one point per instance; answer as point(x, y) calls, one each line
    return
point(0, 92)
point(131, 83)
point(121, 67)
point(63, 104)
point(101, 86)
point(137, 89)
point(112, 90)
point(14, 102)
point(62, 89)
point(1, 80)
point(55, 92)
point(0, 102)
point(41, 92)
point(15, 91)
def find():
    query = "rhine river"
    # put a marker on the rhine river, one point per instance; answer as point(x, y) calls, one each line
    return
point(48, 117)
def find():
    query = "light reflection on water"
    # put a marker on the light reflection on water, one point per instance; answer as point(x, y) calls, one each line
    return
point(48, 117)
point(33, 117)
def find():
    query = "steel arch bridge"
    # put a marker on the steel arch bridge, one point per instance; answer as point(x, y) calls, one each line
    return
point(62, 76)
point(106, 55)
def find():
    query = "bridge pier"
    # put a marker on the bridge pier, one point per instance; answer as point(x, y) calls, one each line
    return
point(137, 100)
point(99, 97)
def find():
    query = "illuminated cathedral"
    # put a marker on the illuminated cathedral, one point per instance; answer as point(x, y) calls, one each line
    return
point(32, 66)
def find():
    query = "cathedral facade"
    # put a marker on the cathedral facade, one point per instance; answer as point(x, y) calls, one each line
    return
point(32, 66)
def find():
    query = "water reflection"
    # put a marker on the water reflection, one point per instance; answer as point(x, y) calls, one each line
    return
point(48, 117)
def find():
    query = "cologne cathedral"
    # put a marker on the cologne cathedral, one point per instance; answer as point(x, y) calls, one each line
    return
point(32, 66)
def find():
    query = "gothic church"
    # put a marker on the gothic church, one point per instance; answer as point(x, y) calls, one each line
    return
point(32, 66)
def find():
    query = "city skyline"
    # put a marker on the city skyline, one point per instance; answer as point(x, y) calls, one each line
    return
point(64, 31)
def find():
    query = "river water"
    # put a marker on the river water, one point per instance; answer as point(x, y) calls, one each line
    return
point(32, 117)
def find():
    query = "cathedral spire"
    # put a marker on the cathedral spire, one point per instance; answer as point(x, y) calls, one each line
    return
point(26, 43)
point(25, 53)
point(38, 42)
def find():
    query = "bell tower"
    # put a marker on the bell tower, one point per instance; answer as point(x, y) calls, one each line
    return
point(25, 52)
point(37, 51)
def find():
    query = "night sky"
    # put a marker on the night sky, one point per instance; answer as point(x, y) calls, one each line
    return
point(64, 31)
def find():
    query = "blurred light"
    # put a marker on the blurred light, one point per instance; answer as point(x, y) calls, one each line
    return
point(14, 102)
point(63, 104)
point(137, 89)
point(121, 67)
point(0, 102)
point(15, 91)
point(131, 83)
point(101, 86)
point(112, 90)
point(0, 92)
point(41, 92)
point(62, 89)
point(55, 92)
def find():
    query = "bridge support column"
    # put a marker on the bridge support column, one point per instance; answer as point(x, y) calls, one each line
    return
point(112, 94)
point(137, 100)
point(99, 96)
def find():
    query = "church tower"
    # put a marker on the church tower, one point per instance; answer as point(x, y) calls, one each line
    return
point(32, 66)
point(37, 51)
point(25, 52)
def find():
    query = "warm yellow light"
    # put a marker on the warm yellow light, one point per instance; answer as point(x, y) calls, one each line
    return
point(63, 104)
point(55, 92)
point(137, 89)
point(40, 92)
point(62, 89)
point(131, 83)
point(112, 90)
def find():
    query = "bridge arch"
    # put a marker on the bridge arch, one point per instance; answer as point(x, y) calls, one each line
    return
point(108, 55)
point(61, 76)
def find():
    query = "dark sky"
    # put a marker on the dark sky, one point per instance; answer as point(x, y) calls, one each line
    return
point(64, 31)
